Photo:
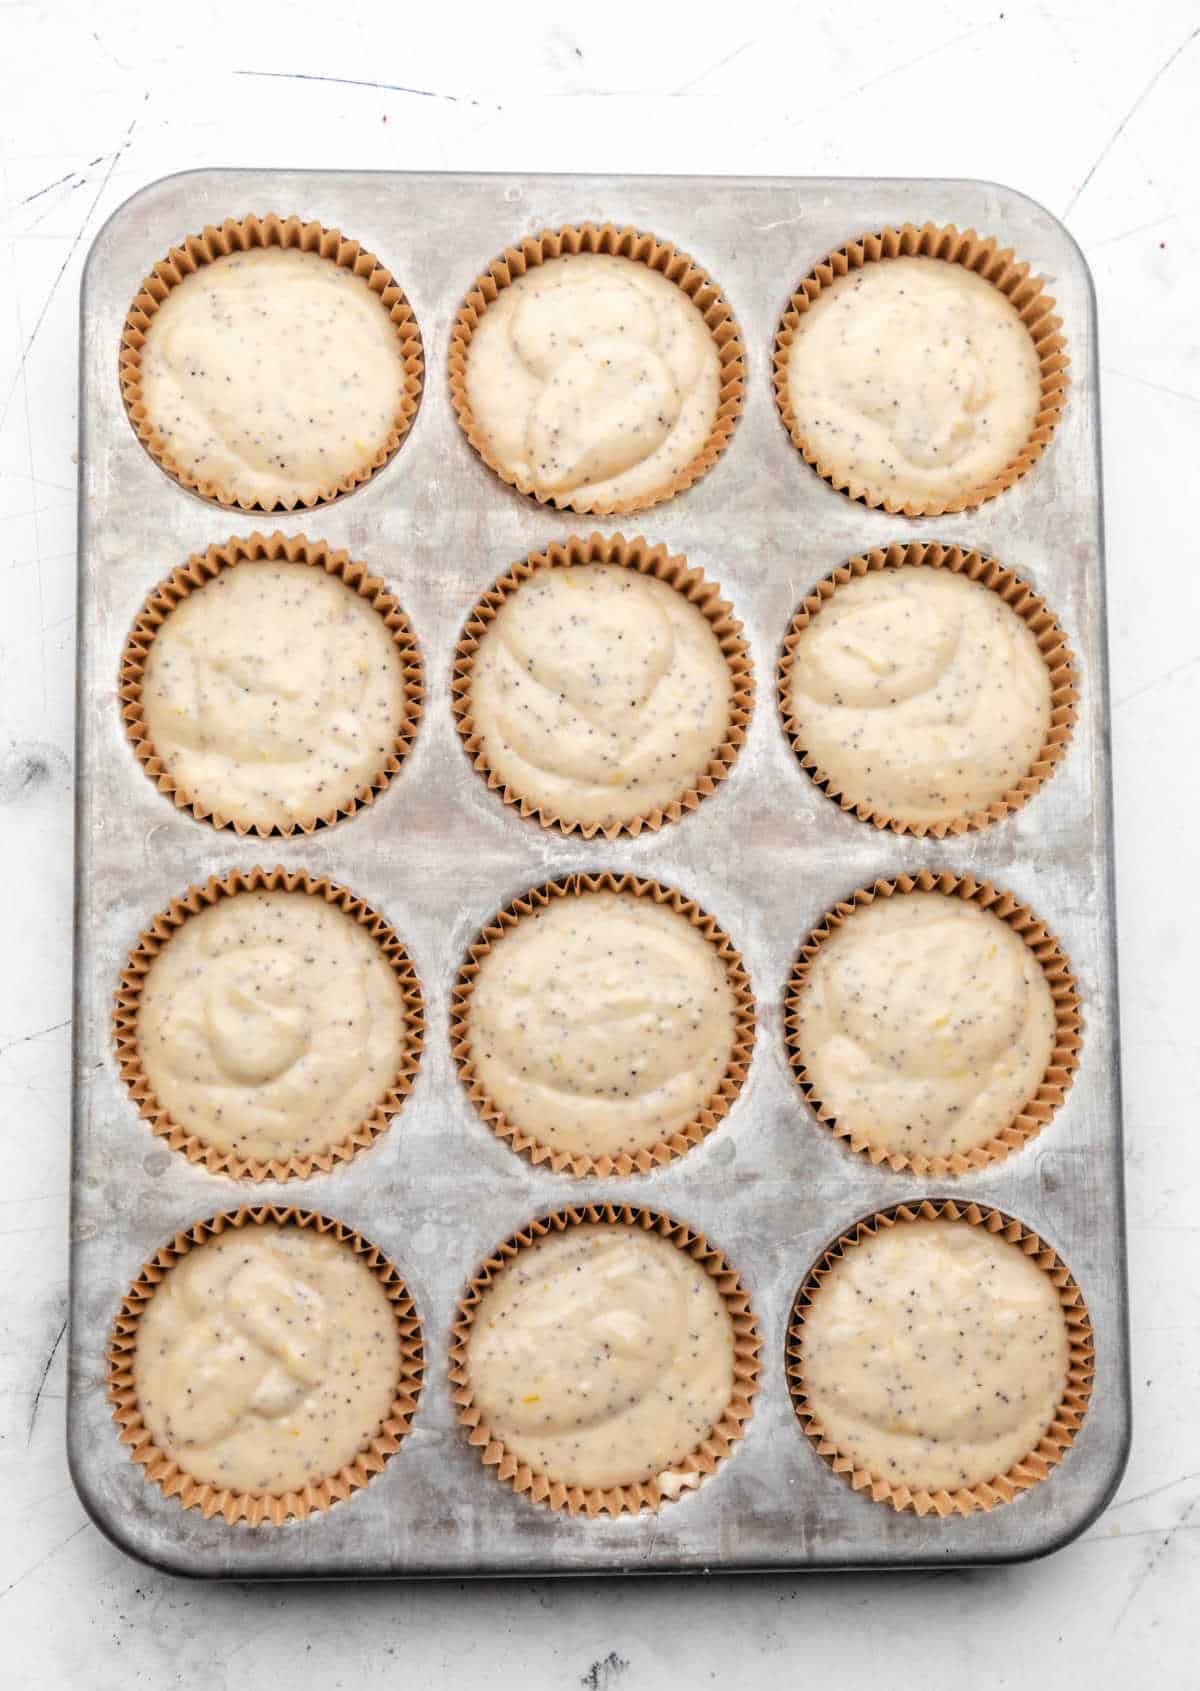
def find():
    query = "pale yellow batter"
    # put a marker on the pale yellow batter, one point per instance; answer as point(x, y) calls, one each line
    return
point(602, 1023)
point(600, 694)
point(926, 1024)
point(914, 380)
point(920, 693)
point(271, 1025)
point(273, 374)
point(935, 1355)
point(267, 1359)
point(274, 695)
point(593, 379)
point(602, 1356)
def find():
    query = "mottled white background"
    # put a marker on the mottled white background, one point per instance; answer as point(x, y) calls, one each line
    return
point(1089, 106)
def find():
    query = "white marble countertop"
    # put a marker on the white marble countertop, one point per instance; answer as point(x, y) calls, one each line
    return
point(1090, 108)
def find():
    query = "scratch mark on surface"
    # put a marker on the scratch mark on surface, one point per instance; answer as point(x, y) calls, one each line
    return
point(1159, 681)
point(41, 1385)
point(702, 76)
point(1145, 1496)
point(1156, 387)
point(779, 223)
point(26, 1037)
point(1140, 228)
point(1152, 1562)
point(350, 82)
point(37, 194)
point(61, 1545)
point(1128, 119)
point(114, 159)
point(909, 64)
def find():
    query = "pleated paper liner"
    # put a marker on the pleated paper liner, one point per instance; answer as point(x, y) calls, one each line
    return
point(1019, 597)
point(1054, 1442)
point(655, 561)
point(676, 1144)
point(1068, 1024)
point(128, 1002)
point(245, 235)
point(200, 569)
point(985, 257)
point(256, 1507)
point(641, 1495)
point(626, 242)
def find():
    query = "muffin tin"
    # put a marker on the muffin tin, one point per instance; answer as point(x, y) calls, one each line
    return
point(767, 854)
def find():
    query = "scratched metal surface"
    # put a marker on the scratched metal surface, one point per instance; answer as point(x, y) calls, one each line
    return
point(438, 855)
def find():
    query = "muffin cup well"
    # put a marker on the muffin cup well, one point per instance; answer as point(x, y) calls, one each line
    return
point(1059, 1435)
point(128, 1002)
point(636, 554)
point(1068, 1024)
point(646, 1494)
point(664, 1150)
point(1020, 598)
point(256, 1507)
point(200, 569)
point(626, 242)
point(244, 235)
point(986, 259)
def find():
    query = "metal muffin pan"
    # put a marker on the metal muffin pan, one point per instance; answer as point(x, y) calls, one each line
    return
point(438, 855)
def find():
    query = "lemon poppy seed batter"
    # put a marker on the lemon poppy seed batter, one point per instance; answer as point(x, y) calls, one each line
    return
point(602, 1023)
point(919, 693)
point(274, 695)
point(267, 1359)
point(914, 379)
point(273, 374)
point(593, 379)
point(599, 694)
point(934, 1354)
point(271, 1025)
point(602, 1355)
point(925, 1024)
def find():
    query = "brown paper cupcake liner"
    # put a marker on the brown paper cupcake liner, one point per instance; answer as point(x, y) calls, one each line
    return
point(1054, 1442)
point(1068, 1023)
point(243, 236)
point(646, 1494)
point(127, 1003)
point(986, 259)
point(626, 242)
point(256, 1507)
point(200, 569)
point(636, 554)
point(1019, 597)
point(664, 1150)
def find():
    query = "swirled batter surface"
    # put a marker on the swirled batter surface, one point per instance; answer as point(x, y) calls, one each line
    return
point(274, 694)
point(920, 693)
point(602, 1355)
point(600, 694)
point(270, 1025)
point(267, 1358)
point(593, 379)
point(935, 1354)
point(926, 1024)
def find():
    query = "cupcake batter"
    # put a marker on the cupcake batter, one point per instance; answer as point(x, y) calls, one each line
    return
point(274, 695)
point(935, 1354)
point(593, 379)
point(914, 380)
point(602, 1023)
point(267, 1359)
point(602, 1356)
point(920, 693)
point(925, 1024)
point(273, 374)
point(600, 694)
point(271, 1024)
